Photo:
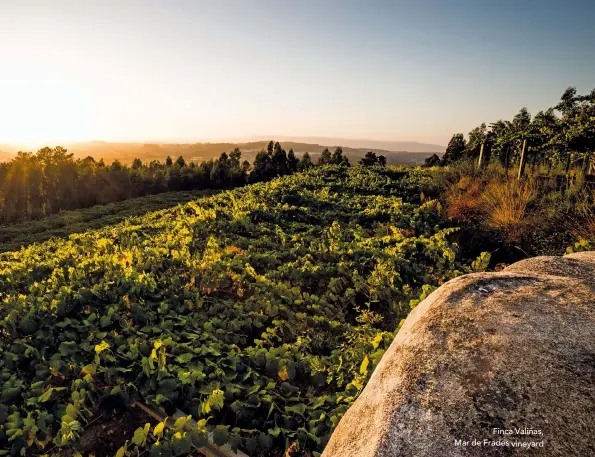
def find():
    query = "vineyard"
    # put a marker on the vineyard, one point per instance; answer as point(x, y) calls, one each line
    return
point(259, 312)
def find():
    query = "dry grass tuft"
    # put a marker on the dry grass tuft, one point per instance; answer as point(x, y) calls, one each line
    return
point(505, 203)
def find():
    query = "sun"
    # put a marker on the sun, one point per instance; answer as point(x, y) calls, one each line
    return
point(34, 114)
point(33, 146)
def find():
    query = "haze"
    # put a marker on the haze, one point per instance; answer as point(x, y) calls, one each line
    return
point(223, 70)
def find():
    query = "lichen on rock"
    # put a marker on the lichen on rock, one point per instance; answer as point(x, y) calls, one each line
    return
point(484, 355)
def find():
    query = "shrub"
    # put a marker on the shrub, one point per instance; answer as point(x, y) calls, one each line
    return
point(580, 246)
point(464, 199)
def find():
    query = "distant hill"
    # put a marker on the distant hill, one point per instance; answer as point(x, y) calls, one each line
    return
point(198, 152)
point(395, 146)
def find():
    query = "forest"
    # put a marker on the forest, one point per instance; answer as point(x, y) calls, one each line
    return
point(155, 309)
point(398, 153)
point(38, 184)
point(562, 136)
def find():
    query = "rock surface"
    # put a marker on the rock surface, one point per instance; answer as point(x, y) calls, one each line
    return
point(508, 350)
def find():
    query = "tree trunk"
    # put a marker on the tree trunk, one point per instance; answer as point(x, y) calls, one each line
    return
point(523, 160)
point(507, 159)
point(481, 158)
point(568, 161)
point(586, 163)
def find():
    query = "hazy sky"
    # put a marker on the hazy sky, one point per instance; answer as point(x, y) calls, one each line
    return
point(169, 70)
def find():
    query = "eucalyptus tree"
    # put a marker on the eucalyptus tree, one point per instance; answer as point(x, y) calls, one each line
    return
point(279, 160)
point(581, 130)
point(578, 124)
point(455, 149)
point(544, 132)
point(477, 137)
point(306, 162)
point(292, 161)
point(338, 158)
point(502, 141)
point(325, 157)
point(521, 125)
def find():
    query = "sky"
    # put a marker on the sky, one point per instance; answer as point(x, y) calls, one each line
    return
point(197, 70)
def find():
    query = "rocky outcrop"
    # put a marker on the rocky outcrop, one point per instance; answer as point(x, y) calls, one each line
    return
point(490, 364)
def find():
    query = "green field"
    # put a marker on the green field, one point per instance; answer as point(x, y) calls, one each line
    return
point(260, 312)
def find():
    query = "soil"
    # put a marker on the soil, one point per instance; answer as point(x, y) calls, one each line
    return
point(109, 432)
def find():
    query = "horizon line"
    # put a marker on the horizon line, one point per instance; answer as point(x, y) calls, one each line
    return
point(231, 140)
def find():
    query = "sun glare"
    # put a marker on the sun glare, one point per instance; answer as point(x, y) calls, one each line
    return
point(38, 113)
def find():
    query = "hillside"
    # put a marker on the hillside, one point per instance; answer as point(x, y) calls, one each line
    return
point(262, 310)
point(14, 236)
point(127, 152)
point(255, 315)
point(399, 146)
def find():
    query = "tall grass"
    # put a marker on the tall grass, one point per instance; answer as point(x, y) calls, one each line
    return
point(542, 214)
point(504, 204)
point(583, 220)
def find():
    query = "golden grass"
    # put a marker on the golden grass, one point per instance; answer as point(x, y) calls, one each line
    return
point(505, 203)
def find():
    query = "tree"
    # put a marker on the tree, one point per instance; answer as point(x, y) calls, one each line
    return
point(292, 161)
point(236, 171)
point(455, 149)
point(369, 159)
point(220, 173)
point(262, 168)
point(34, 190)
point(520, 128)
point(578, 124)
point(235, 156)
point(279, 160)
point(568, 102)
point(180, 162)
point(14, 187)
point(60, 171)
point(542, 133)
point(432, 161)
point(306, 162)
point(477, 137)
point(137, 164)
point(325, 157)
point(168, 162)
point(501, 141)
point(338, 158)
